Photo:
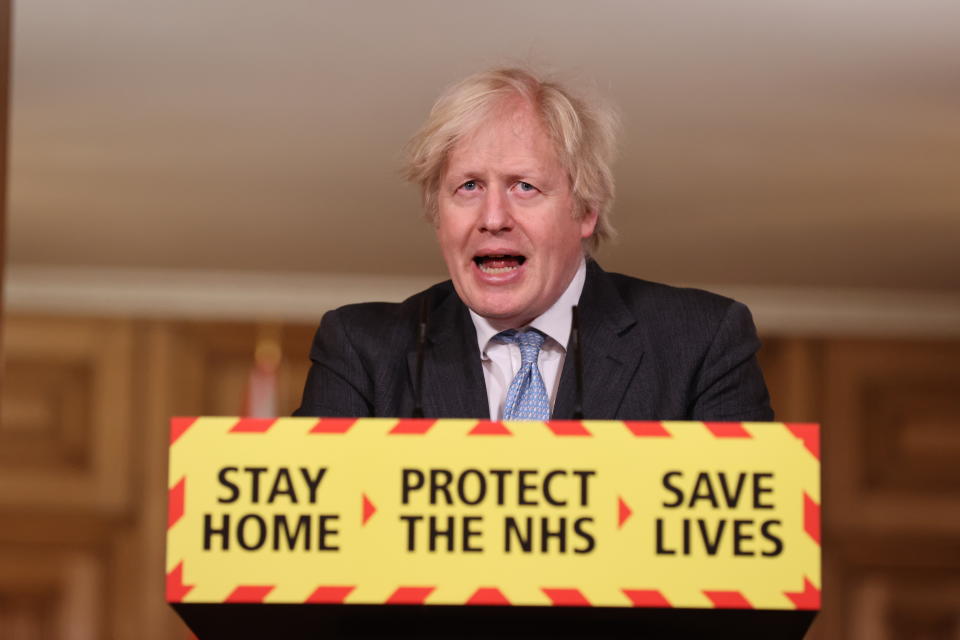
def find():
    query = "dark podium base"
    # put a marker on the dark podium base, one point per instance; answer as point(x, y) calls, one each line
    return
point(302, 622)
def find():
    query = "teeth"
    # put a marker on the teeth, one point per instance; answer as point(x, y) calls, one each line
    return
point(495, 270)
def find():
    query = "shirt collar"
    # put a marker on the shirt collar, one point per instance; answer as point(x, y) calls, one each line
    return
point(555, 322)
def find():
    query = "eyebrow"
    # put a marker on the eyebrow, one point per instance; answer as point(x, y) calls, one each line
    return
point(513, 176)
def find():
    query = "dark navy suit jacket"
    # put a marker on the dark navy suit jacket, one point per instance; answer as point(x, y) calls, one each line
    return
point(650, 352)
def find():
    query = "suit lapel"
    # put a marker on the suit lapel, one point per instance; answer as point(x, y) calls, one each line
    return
point(612, 349)
point(453, 384)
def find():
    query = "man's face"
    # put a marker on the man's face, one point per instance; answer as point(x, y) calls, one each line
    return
point(505, 223)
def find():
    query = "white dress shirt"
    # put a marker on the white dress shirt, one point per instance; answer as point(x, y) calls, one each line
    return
point(501, 361)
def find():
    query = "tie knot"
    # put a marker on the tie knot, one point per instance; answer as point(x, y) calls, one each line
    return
point(529, 342)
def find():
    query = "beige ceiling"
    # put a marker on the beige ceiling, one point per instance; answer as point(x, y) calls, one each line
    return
point(765, 142)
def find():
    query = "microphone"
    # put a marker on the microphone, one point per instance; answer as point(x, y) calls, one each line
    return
point(577, 363)
point(421, 341)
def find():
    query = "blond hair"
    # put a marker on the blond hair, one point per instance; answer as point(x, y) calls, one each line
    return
point(584, 136)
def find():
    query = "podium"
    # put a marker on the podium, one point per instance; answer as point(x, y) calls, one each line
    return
point(373, 527)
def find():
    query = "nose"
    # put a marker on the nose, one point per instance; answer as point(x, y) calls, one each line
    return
point(495, 215)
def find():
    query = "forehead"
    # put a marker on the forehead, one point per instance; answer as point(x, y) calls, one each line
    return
point(512, 132)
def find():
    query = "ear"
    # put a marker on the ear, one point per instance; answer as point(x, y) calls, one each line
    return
point(588, 223)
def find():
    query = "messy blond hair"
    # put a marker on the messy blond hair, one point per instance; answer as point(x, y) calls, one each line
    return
point(584, 135)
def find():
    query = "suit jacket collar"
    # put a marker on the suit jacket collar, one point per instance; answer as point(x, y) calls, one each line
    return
point(611, 346)
point(453, 384)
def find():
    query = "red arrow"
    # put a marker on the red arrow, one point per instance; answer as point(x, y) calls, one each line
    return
point(623, 512)
point(368, 509)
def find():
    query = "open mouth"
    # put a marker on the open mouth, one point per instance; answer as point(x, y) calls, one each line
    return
point(494, 264)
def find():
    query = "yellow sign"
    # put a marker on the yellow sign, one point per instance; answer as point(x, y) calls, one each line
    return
point(582, 513)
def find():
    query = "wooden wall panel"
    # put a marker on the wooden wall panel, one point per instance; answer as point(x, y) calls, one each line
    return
point(66, 413)
point(66, 480)
point(792, 368)
point(892, 411)
point(51, 594)
point(212, 362)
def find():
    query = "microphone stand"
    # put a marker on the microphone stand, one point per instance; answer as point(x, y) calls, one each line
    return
point(577, 362)
point(421, 341)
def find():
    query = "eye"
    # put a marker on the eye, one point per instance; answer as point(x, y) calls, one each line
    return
point(469, 185)
point(525, 186)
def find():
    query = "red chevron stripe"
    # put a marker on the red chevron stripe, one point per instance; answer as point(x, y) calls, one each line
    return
point(329, 595)
point(809, 598)
point(410, 595)
point(809, 433)
point(176, 590)
point(568, 428)
point(811, 517)
point(646, 598)
point(333, 425)
point(489, 428)
point(727, 429)
point(175, 502)
point(249, 593)
point(647, 428)
point(488, 596)
point(728, 600)
point(253, 425)
point(566, 597)
point(178, 426)
point(412, 427)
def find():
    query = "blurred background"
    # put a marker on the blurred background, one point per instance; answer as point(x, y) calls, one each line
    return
point(190, 185)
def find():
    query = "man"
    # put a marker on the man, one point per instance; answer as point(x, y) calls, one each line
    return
point(515, 177)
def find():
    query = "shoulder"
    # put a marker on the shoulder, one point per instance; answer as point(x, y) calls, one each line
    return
point(641, 292)
point(380, 321)
point(683, 310)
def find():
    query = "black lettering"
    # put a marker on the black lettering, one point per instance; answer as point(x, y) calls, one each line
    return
point(775, 539)
point(313, 482)
point(469, 533)
point(255, 473)
point(511, 528)
point(303, 526)
point(578, 528)
point(732, 499)
point(499, 474)
point(547, 494)
point(546, 534)
point(711, 545)
point(444, 486)
point(703, 490)
point(523, 487)
point(686, 536)
point(757, 490)
point(661, 550)
point(283, 477)
point(407, 486)
point(260, 528)
point(584, 476)
point(671, 488)
point(234, 490)
point(435, 532)
point(739, 537)
point(481, 487)
point(411, 530)
point(326, 530)
point(223, 531)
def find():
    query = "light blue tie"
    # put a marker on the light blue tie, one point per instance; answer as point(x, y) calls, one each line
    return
point(527, 396)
